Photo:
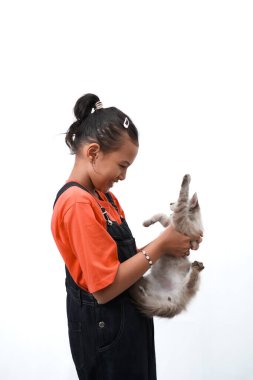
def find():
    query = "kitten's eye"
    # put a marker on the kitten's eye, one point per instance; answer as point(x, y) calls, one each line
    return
point(190, 209)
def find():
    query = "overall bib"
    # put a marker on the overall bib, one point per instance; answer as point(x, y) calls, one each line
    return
point(111, 341)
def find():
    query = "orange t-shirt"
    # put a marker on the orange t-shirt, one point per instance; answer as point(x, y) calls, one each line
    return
point(80, 232)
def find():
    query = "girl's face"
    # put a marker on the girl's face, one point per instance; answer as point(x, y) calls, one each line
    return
point(107, 168)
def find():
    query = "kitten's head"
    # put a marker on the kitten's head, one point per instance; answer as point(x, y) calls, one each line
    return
point(193, 213)
point(193, 204)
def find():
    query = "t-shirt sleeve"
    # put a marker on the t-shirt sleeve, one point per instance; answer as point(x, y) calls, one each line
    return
point(92, 245)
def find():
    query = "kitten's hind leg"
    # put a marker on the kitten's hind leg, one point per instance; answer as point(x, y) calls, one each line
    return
point(198, 265)
point(193, 283)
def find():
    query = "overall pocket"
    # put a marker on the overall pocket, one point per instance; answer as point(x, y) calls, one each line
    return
point(110, 320)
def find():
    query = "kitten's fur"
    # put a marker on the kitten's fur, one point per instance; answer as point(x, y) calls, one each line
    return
point(172, 281)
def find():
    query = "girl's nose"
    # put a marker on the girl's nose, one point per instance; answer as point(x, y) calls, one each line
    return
point(122, 176)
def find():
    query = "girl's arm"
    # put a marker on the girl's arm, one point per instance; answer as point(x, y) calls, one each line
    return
point(132, 269)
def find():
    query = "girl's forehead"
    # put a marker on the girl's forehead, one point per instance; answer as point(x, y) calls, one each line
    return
point(127, 151)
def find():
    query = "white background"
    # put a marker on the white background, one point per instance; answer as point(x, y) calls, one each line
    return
point(182, 70)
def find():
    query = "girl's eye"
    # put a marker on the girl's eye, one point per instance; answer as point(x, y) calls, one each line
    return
point(122, 166)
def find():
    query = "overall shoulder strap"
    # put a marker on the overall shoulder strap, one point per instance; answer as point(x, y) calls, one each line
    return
point(72, 183)
point(65, 187)
point(110, 199)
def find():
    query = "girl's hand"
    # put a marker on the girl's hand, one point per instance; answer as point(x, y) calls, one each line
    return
point(176, 244)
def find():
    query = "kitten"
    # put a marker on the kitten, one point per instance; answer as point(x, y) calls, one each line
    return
point(173, 281)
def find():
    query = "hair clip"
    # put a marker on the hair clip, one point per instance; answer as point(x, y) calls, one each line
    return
point(98, 105)
point(126, 123)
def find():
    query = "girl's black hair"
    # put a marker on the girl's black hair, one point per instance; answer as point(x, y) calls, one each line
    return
point(104, 126)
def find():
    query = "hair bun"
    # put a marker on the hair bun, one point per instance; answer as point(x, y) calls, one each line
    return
point(84, 106)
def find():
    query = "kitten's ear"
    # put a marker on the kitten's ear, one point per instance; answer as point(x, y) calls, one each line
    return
point(194, 202)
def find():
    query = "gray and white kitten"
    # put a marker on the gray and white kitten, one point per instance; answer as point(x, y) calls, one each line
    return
point(172, 281)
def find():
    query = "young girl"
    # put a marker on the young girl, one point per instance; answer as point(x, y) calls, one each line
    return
point(109, 338)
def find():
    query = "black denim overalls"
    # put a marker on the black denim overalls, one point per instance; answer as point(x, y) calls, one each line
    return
point(111, 341)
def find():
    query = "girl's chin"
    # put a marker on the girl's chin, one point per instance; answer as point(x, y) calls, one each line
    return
point(109, 187)
point(106, 188)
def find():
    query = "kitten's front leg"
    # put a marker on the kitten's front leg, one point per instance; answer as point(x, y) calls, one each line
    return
point(194, 245)
point(162, 218)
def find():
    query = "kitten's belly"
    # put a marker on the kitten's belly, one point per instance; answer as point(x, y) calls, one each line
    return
point(168, 283)
point(169, 273)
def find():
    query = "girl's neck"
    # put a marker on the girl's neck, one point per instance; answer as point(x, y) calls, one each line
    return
point(86, 182)
point(80, 175)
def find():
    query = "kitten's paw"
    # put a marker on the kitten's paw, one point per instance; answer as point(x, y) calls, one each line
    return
point(199, 266)
point(147, 223)
point(186, 179)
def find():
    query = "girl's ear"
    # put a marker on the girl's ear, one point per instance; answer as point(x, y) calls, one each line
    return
point(194, 203)
point(92, 151)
